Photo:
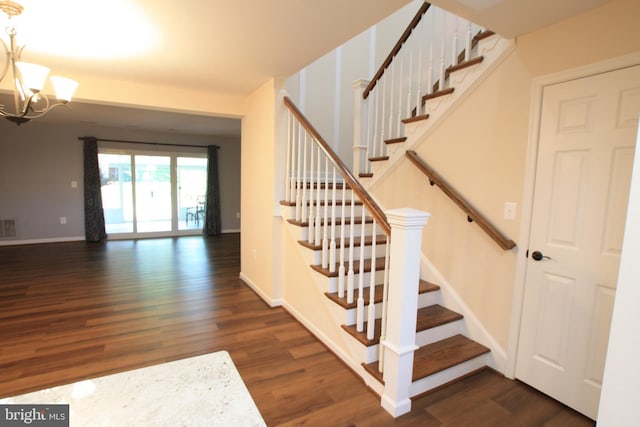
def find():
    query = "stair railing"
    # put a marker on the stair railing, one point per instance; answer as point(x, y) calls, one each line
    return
point(416, 67)
point(473, 215)
point(327, 196)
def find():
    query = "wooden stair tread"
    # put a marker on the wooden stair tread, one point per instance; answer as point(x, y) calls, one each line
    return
point(395, 141)
point(463, 65)
point(423, 288)
point(427, 318)
point(414, 119)
point(445, 354)
point(322, 203)
point(381, 239)
point(365, 175)
point(437, 94)
point(437, 357)
point(379, 265)
point(378, 159)
point(338, 221)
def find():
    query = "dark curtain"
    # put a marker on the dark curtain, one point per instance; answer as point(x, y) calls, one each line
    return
point(94, 228)
point(212, 226)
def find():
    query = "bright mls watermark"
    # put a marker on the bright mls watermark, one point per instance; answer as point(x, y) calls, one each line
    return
point(34, 415)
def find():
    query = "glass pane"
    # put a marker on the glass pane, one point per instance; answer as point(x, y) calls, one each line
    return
point(117, 200)
point(192, 187)
point(153, 193)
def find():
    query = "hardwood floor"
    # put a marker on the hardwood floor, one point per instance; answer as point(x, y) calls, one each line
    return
point(71, 311)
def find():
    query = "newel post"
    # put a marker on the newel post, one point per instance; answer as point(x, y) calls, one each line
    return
point(404, 275)
point(360, 114)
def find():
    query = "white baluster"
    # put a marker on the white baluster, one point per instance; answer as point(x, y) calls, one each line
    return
point(383, 87)
point(332, 242)
point(325, 237)
point(391, 99)
point(371, 320)
point(400, 97)
point(304, 178)
point(467, 49)
point(454, 42)
point(360, 304)
point(444, 36)
point(341, 269)
point(287, 184)
point(299, 178)
point(292, 183)
point(318, 226)
point(312, 182)
point(385, 298)
point(350, 274)
point(410, 84)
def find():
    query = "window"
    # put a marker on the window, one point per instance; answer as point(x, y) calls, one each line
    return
point(164, 195)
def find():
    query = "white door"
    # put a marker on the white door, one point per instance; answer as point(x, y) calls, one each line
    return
point(585, 157)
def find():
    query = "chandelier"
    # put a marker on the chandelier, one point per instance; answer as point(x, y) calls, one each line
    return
point(28, 79)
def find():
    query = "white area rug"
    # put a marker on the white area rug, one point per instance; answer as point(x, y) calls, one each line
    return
point(199, 391)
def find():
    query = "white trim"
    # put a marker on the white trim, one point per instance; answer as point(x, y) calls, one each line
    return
point(230, 230)
point(278, 302)
point(538, 86)
point(39, 241)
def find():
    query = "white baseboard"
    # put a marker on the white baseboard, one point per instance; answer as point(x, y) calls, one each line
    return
point(39, 241)
point(231, 230)
point(272, 302)
point(475, 329)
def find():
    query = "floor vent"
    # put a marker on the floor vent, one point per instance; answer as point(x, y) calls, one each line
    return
point(7, 228)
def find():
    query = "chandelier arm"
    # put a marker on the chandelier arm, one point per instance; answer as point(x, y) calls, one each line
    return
point(7, 60)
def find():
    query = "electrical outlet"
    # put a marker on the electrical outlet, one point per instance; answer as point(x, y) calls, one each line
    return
point(254, 254)
point(237, 215)
point(74, 184)
point(510, 210)
point(63, 220)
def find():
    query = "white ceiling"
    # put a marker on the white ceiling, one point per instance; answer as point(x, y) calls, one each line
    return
point(230, 46)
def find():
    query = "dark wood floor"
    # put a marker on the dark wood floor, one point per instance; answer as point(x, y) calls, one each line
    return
point(72, 311)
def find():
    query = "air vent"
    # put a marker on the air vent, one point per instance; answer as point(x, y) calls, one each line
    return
point(7, 228)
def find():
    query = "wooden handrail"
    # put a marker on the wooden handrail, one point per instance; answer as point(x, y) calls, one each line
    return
point(355, 185)
point(403, 38)
point(472, 214)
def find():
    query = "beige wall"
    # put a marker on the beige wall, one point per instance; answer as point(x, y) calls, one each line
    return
point(481, 149)
point(260, 229)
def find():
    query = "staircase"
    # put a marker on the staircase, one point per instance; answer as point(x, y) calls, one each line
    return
point(444, 353)
point(396, 330)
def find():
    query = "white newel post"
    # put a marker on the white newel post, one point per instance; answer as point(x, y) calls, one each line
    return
point(404, 275)
point(360, 112)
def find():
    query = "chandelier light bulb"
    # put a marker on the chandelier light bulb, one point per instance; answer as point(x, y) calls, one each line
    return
point(64, 88)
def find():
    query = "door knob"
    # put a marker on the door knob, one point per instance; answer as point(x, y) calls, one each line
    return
point(539, 256)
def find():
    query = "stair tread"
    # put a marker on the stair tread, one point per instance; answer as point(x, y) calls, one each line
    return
point(427, 318)
point(463, 65)
point(365, 175)
point(423, 288)
point(437, 357)
point(445, 354)
point(322, 202)
point(379, 265)
point(415, 119)
point(338, 221)
point(438, 94)
point(381, 239)
point(395, 140)
point(378, 159)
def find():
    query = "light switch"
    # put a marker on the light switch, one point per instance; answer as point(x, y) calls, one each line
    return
point(74, 184)
point(510, 210)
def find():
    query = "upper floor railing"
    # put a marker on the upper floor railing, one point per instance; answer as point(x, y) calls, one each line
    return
point(434, 43)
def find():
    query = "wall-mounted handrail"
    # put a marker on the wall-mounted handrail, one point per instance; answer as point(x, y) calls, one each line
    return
point(472, 214)
point(351, 181)
point(403, 38)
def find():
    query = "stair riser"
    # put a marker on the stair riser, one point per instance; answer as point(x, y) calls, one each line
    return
point(351, 314)
point(362, 353)
point(315, 257)
point(332, 282)
point(441, 332)
point(429, 383)
point(368, 229)
point(324, 195)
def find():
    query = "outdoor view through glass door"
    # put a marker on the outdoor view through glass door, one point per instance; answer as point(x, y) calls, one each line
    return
point(165, 194)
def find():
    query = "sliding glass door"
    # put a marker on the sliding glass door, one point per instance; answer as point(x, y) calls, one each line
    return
point(164, 195)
